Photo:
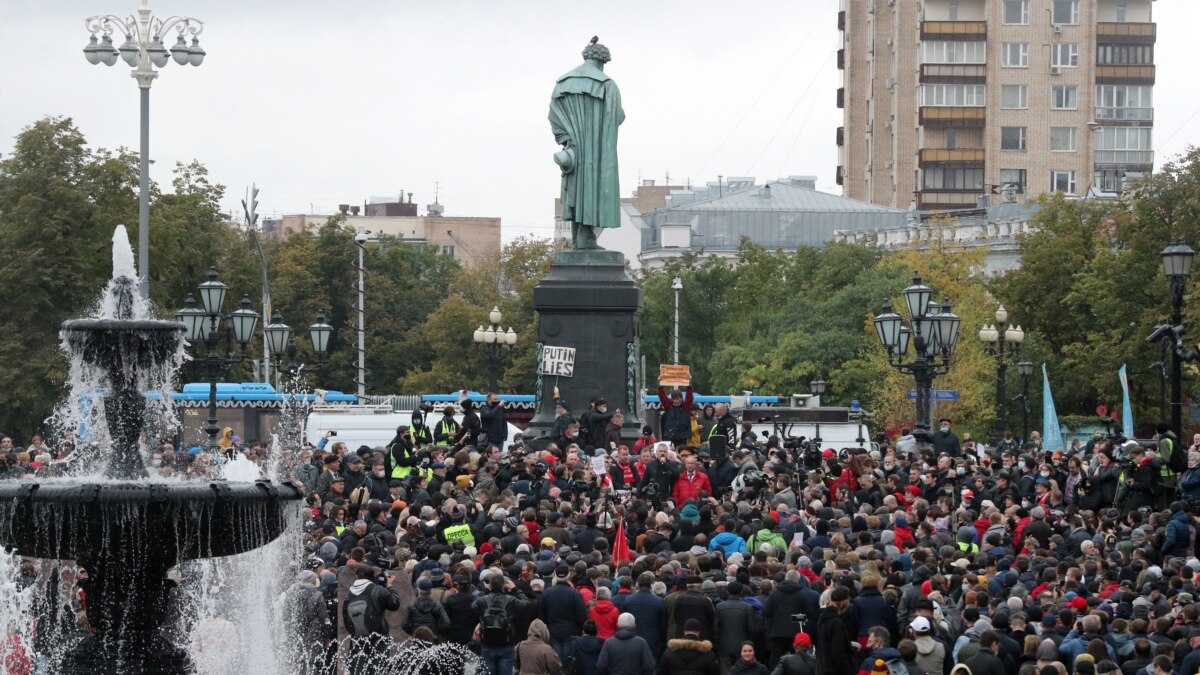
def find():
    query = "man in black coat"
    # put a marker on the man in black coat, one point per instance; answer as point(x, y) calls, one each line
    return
point(689, 655)
point(834, 654)
point(471, 427)
point(690, 604)
point(785, 600)
point(595, 419)
point(987, 661)
point(564, 613)
point(736, 622)
point(494, 420)
point(650, 612)
point(662, 474)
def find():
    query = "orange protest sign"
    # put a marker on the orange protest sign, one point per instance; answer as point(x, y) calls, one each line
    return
point(670, 375)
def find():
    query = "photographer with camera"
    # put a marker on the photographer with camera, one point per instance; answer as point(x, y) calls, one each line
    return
point(446, 431)
point(494, 420)
point(660, 475)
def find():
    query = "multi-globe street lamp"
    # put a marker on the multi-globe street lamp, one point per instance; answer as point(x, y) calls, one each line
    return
point(1177, 265)
point(1001, 340)
point(280, 341)
point(933, 331)
point(492, 342)
point(207, 324)
point(144, 51)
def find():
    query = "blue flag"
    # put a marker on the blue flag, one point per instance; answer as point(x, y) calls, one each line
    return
point(1051, 432)
point(1126, 409)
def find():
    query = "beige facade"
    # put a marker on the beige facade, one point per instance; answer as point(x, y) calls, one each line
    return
point(948, 100)
point(472, 241)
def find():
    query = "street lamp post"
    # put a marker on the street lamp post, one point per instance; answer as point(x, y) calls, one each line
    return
point(1177, 265)
point(677, 286)
point(817, 389)
point(1025, 369)
point(1003, 341)
point(280, 341)
point(933, 330)
point(492, 342)
point(207, 325)
point(145, 52)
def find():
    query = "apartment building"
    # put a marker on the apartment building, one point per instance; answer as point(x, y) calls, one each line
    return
point(949, 100)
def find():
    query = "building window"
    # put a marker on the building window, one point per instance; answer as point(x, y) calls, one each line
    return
point(1109, 180)
point(1016, 12)
point(1012, 138)
point(951, 138)
point(953, 51)
point(1120, 12)
point(1014, 96)
point(1062, 181)
point(1015, 55)
point(1064, 97)
point(1124, 102)
point(1064, 55)
point(973, 95)
point(1125, 55)
point(1013, 177)
point(1062, 139)
point(448, 250)
point(1124, 145)
point(952, 178)
point(952, 10)
point(1065, 11)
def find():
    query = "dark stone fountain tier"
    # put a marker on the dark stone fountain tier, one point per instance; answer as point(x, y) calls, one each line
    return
point(127, 536)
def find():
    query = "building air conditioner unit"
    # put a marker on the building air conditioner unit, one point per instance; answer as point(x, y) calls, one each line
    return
point(891, 3)
point(888, 164)
point(1055, 70)
point(889, 83)
point(871, 8)
point(868, 167)
point(869, 128)
point(889, 42)
point(1057, 28)
point(887, 124)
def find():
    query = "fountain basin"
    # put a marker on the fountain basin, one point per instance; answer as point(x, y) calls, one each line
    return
point(163, 520)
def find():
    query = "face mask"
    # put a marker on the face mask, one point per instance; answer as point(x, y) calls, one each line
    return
point(960, 471)
point(379, 474)
point(1045, 474)
point(945, 427)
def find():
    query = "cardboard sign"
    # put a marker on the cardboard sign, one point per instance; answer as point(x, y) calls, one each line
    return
point(558, 361)
point(674, 375)
point(598, 466)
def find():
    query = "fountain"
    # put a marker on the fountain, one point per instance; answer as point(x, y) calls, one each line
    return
point(123, 527)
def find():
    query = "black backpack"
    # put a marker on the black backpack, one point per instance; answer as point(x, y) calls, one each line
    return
point(1178, 459)
point(495, 630)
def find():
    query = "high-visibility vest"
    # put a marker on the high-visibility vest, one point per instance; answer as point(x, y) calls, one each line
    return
point(1164, 469)
point(968, 547)
point(447, 430)
point(401, 472)
point(339, 529)
point(460, 533)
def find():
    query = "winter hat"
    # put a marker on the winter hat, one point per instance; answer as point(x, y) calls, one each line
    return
point(691, 626)
point(690, 513)
point(801, 640)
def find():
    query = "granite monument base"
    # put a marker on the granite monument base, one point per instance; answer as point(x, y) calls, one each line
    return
point(589, 303)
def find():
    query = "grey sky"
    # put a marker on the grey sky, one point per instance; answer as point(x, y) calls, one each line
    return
point(323, 103)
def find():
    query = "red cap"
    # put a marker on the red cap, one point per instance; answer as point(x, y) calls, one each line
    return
point(827, 453)
point(485, 547)
point(968, 494)
point(802, 640)
point(1078, 603)
point(926, 587)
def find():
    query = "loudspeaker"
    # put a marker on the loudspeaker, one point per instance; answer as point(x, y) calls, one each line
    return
point(716, 447)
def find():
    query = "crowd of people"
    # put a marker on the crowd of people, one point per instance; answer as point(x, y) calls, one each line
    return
point(580, 553)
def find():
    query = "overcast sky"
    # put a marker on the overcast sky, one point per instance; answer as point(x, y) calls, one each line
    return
point(322, 103)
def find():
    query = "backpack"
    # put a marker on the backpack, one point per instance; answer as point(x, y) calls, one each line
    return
point(358, 610)
point(895, 667)
point(495, 630)
point(1177, 460)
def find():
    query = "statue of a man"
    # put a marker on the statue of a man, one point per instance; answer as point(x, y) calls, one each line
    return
point(585, 111)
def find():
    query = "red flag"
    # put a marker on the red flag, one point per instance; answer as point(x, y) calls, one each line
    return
point(620, 549)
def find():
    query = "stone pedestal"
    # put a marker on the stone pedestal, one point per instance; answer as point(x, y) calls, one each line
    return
point(590, 303)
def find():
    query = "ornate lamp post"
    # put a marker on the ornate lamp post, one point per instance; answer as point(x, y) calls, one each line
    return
point(1003, 341)
point(1177, 265)
point(677, 286)
point(492, 342)
point(280, 341)
point(817, 389)
point(207, 325)
point(145, 52)
point(1024, 369)
point(933, 331)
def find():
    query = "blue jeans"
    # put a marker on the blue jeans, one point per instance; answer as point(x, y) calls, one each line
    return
point(499, 660)
point(564, 648)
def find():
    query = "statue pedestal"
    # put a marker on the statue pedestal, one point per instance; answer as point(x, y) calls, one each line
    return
point(589, 302)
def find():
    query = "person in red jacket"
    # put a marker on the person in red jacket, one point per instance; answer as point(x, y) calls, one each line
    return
point(691, 483)
point(604, 613)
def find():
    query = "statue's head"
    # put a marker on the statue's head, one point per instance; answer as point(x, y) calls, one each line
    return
point(597, 52)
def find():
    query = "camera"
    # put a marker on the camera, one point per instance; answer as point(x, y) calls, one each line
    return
point(333, 433)
point(425, 407)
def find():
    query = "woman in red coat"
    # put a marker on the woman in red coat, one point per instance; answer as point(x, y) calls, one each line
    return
point(604, 613)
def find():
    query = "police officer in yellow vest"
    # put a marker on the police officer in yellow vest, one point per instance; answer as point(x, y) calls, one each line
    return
point(1166, 446)
point(445, 432)
point(965, 540)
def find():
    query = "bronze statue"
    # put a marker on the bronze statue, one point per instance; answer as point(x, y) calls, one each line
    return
point(585, 111)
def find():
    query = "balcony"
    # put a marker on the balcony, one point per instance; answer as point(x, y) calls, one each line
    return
point(842, 20)
point(1131, 159)
point(1126, 33)
point(1129, 116)
point(841, 59)
point(948, 116)
point(841, 136)
point(1124, 74)
point(953, 73)
point(953, 30)
point(929, 200)
point(950, 156)
point(841, 97)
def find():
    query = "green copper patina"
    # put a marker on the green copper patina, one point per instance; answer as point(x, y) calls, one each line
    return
point(585, 111)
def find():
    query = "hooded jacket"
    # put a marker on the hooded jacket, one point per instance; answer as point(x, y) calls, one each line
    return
point(625, 654)
point(604, 613)
point(371, 618)
point(534, 655)
point(783, 602)
point(728, 542)
point(931, 654)
point(689, 656)
point(425, 611)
